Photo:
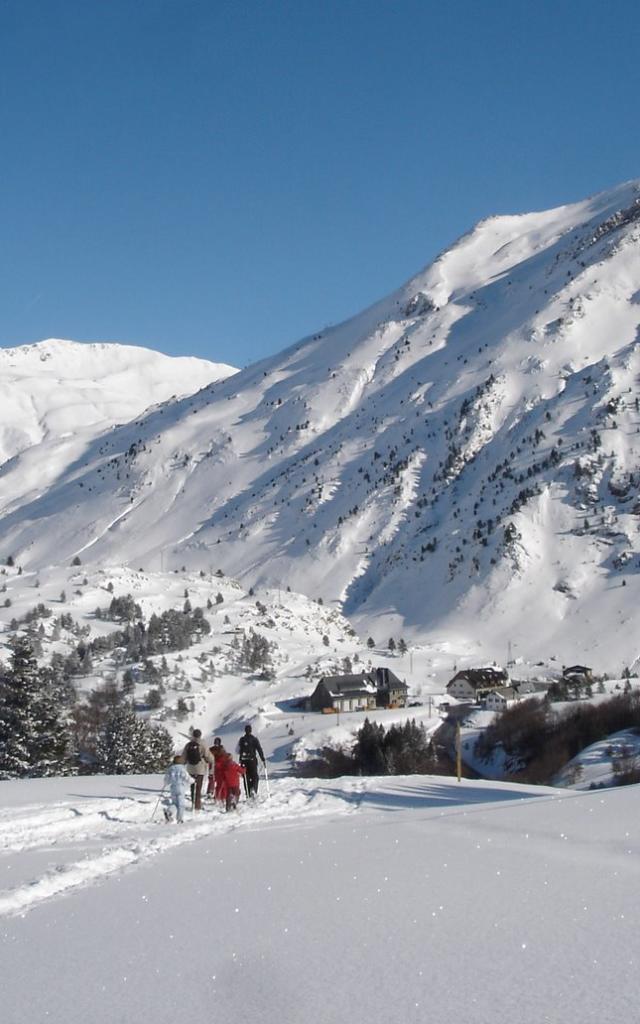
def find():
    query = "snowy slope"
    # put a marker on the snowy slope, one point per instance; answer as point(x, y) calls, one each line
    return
point(55, 396)
point(457, 462)
point(361, 899)
point(306, 641)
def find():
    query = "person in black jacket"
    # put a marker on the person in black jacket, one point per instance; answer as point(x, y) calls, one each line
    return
point(249, 750)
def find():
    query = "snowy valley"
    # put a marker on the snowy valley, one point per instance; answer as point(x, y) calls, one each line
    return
point(451, 478)
point(454, 464)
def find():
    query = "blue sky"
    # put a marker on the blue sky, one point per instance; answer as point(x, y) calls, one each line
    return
point(221, 178)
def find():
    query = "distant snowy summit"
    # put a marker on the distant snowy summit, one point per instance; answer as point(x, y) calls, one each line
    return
point(54, 387)
point(95, 361)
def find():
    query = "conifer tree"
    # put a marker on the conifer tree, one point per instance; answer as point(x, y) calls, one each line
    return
point(34, 733)
point(128, 745)
point(53, 750)
point(19, 687)
point(368, 752)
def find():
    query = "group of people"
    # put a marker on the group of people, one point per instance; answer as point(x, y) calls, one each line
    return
point(188, 771)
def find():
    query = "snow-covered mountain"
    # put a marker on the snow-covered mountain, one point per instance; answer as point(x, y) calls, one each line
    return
point(57, 396)
point(460, 462)
point(54, 389)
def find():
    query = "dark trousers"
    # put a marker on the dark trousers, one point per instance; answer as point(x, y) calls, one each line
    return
point(251, 777)
point(196, 792)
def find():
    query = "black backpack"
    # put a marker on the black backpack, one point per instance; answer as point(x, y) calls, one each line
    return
point(192, 750)
point(247, 749)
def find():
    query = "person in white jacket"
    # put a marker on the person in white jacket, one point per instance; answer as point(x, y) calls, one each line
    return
point(179, 781)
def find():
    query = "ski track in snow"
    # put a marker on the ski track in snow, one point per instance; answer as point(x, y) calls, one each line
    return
point(101, 836)
point(110, 820)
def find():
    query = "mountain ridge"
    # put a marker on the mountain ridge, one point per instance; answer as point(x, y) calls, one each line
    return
point(429, 465)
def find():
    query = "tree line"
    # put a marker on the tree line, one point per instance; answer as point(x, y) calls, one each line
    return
point(538, 741)
point(402, 749)
point(44, 731)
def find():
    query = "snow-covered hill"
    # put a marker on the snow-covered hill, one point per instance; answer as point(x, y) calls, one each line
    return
point(57, 395)
point(459, 463)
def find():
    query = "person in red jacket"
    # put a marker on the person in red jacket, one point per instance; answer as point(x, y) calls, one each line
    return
point(233, 772)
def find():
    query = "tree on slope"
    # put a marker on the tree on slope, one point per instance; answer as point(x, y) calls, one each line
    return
point(34, 736)
point(129, 745)
point(368, 751)
point(53, 746)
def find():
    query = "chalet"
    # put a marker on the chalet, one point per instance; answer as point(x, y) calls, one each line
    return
point(344, 693)
point(569, 673)
point(391, 691)
point(363, 692)
point(501, 699)
point(475, 683)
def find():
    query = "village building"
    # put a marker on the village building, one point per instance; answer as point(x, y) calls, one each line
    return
point(363, 692)
point(344, 693)
point(475, 683)
point(526, 687)
point(392, 692)
point(501, 699)
point(577, 673)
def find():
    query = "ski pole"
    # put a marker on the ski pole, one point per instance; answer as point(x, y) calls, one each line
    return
point(266, 779)
point(158, 802)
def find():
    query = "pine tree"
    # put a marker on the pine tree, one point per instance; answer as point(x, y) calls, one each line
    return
point(52, 754)
point(19, 693)
point(127, 745)
point(368, 752)
point(34, 732)
point(161, 749)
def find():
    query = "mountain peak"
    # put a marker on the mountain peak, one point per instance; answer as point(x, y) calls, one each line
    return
point(461, 459)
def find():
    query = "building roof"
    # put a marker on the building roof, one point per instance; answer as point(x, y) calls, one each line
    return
point(348, 685)
point(361, 691)
point(507, 692)
point(371, 682)
point(386, 679)
point(576, 670)
point(481, 678)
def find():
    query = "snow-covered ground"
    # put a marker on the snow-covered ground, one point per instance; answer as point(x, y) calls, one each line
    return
point(308, 640)
point(393, 900)
point(595, 765)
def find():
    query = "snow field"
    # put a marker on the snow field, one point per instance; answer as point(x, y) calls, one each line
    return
point(365, 899)
point(124, 829)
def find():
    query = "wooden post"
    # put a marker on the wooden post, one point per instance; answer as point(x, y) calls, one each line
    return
point(458, 752)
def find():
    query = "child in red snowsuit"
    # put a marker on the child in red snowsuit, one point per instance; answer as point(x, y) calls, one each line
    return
point(233, 772)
